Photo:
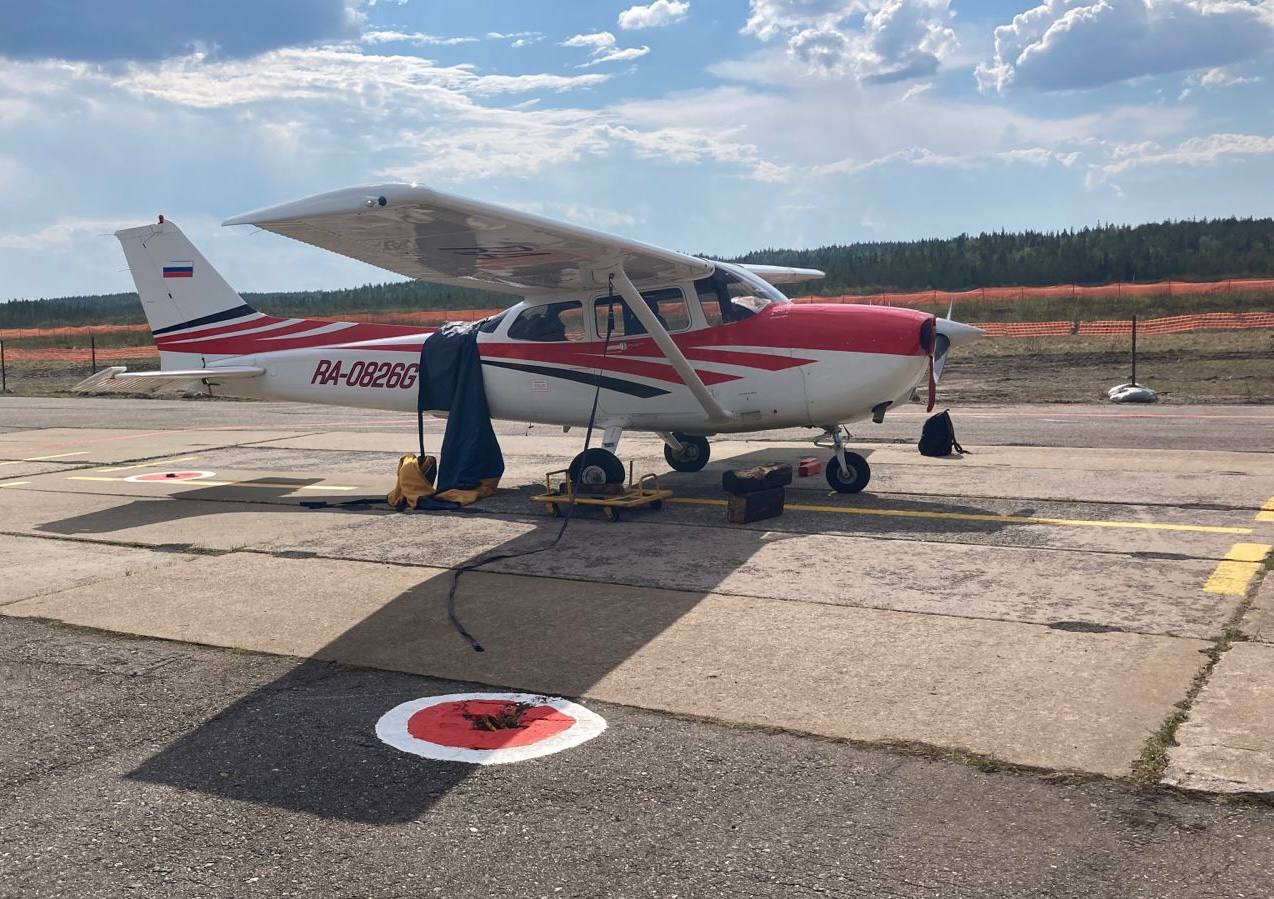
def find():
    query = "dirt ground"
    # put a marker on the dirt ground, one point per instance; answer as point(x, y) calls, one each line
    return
point(1223, 367)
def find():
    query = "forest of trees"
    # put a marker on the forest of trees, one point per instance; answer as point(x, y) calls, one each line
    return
point(1188, 250)
point(1191, 250)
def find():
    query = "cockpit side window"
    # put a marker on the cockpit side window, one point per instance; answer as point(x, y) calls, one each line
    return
point(550, 323)
point(732, 295)
point(668, 304)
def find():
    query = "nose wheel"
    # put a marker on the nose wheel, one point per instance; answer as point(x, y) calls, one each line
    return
point(846, 472)
point(851, 478)
point(692, 455)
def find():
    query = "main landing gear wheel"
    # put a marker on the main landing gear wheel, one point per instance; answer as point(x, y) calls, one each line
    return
point(693, 455)
point(851, 481)
point(594, 469)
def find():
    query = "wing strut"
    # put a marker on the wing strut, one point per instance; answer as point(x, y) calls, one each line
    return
point(717, 415)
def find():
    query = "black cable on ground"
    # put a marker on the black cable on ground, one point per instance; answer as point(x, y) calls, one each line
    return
point(570, 508)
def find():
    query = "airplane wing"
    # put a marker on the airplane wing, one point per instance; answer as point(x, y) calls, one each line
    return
point(782, 274)
point(117, 378)
point(434, 236)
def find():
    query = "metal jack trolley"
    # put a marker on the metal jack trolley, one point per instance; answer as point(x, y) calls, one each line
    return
point(636, 495)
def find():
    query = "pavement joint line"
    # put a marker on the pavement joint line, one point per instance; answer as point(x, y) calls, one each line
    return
point(1234, 573)
point(996, 519)
point(201, 483)
point(150, 464)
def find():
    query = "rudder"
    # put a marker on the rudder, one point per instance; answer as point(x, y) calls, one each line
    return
point(177, 286)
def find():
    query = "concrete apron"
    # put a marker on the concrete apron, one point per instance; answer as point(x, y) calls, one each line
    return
point(1021, 693)
point(975, 574)
point(1227, 743)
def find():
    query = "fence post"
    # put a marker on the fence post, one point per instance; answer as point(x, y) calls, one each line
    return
point(4, 374)
point(92, 346)
point(1134, 348)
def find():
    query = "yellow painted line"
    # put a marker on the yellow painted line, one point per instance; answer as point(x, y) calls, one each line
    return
point(13, 484)
point(44, 458)
point(200, 483)
point(997, 519)
point(150, 464)
point(1267, 511)
point(1241, 564)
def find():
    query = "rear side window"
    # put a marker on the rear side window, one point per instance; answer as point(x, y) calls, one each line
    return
point(668, 304)
point(550, 323)
point(489, 325)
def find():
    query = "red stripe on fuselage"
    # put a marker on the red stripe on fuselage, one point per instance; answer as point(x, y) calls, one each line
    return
point(247, 344)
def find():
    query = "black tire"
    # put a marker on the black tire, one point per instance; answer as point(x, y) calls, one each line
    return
point(852, 481)
point(693, 456)
point(595, 468)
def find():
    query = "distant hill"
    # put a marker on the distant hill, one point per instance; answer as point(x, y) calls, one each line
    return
point(1188, 250)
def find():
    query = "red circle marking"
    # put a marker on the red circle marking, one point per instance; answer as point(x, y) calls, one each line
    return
point(451, 724)
point(170, 476)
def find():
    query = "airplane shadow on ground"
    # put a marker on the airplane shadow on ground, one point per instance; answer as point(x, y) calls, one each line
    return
point(266, 495)
point(306, 742)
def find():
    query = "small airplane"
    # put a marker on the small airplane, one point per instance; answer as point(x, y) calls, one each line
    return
point(673, 344)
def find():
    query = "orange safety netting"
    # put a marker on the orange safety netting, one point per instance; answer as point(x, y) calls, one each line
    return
point(1172, 324)
point(1000, 294)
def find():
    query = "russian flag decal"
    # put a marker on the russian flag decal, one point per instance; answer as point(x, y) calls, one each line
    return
point(179, 269)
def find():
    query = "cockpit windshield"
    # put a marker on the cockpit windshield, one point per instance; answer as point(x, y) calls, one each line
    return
point(732, 294)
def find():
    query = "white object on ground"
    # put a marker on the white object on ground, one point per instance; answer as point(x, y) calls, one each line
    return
point(1132, 393)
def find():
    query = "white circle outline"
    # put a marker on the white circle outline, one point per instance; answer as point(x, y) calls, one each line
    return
point(148, 477)
point(392, 729)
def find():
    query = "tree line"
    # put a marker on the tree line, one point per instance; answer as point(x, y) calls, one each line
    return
point(1188, 250)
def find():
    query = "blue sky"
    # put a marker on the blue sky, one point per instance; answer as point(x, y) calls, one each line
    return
point(714, 127)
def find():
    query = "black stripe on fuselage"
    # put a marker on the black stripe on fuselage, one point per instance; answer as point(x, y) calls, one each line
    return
point(632, 388)
point(223, 316)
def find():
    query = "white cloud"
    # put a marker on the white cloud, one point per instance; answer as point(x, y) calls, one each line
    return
point(412, 37)
point(1220, 77)
point(517, 38)
point(653, 15)
point(915, 91)
point(322, 72)
point(1081, 44)
point(596, 41)
point(879, 41)
point(60, 233)
point(602, 48)
point(580, 214)
point(768, 19)
point(1196, 151)
point(619, 54)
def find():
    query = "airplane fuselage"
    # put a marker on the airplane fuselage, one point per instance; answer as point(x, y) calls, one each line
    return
point(788, 365)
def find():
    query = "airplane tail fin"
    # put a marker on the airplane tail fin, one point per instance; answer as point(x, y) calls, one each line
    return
point(179, 290)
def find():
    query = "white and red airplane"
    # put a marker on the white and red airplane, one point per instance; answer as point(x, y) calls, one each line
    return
point(697, 347)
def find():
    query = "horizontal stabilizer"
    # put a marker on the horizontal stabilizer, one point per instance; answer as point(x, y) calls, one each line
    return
point(782, 274)
point(117, 378)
